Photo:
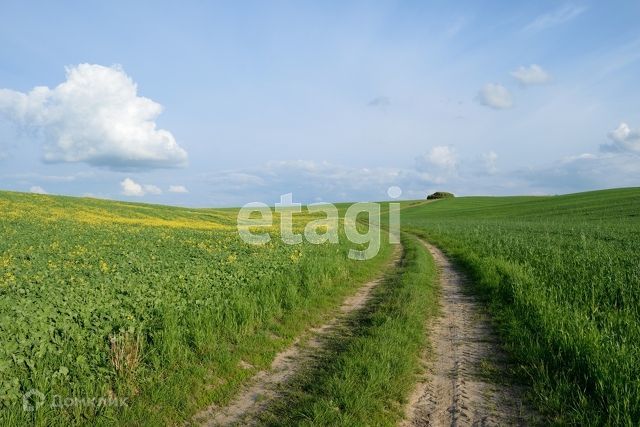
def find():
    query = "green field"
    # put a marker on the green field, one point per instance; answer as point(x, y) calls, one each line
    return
point(562, 277)
point(155, 304)
point(167, 307)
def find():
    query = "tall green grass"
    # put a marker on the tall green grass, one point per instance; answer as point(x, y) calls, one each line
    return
point(367, 372)
point(152, 304)
point(562, 276)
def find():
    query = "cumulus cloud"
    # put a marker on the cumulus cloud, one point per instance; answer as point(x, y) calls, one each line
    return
point(559, 16)
point(38, 190)
point(178, 189)
point(495, 96)
point(531, 75)
point(439, 165)
point(95, 117)
point(442, 157)
point(132, 188)
point(623, 139)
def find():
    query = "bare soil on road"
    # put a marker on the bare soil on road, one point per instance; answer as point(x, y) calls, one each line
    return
point(465, 364)
point(465, 367)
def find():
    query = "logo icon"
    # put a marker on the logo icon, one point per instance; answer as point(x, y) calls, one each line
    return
point(32, 400)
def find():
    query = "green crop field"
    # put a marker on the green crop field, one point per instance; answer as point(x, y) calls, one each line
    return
point(153, 304)
point(167, 310)
point(562, 277)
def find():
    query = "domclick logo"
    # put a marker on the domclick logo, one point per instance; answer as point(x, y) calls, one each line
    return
point(35, 399)
point(32, 400)
point(324, 229)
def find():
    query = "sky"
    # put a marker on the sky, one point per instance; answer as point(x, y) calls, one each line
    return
point(223, 103)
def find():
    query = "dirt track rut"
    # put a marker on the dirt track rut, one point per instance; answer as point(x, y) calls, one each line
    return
point(464, 364)
point(263, 387)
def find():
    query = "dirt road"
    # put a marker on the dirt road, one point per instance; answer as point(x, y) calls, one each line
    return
point(465, 364)
point(263, 387)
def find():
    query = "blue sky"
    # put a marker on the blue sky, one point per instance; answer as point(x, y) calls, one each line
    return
point(218, 104)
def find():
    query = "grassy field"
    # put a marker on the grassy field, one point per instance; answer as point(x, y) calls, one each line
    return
point(562, 277)
point(153, 304)
point(167, 308)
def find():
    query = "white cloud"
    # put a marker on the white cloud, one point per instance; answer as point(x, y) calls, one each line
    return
point(96, 117)
point(495, 96)
point(438, 166)
point(559, 16)
point(531, 75)
point(38, 190)
point(442, 156)
point(178, 189)
point(623, 138)
point(490, 159)
point(132, 188)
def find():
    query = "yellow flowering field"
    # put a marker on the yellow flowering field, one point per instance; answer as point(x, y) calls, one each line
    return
point(152, 305)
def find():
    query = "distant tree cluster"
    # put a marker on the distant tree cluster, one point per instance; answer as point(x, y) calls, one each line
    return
point(440, 195)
